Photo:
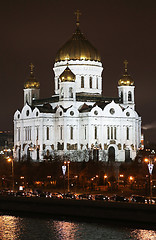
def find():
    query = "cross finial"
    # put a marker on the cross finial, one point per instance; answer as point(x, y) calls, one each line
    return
point(31, 68)
point(77, 13)
point(125, 63)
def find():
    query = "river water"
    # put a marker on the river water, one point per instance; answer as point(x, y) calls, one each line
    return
point(37, 228)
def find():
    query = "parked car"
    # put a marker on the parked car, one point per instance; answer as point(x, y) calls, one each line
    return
point(86, 196)
point(139, 199)
point(118, 198)
point(101, 197)
point(69, 196)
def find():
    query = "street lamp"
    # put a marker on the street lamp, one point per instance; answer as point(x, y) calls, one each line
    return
point(68, 162)
point(150, 161)
point(120, 176)
point(105, 177)
point(9, 159)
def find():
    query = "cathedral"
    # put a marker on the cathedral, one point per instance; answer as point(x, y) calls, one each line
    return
point(78, 122)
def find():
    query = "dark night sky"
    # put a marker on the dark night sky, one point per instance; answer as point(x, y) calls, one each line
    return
point(33, 31)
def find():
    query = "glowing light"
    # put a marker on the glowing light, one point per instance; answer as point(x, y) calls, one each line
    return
point(121, 175)
point(146, 160)
point(131, 178)
point(105, 176)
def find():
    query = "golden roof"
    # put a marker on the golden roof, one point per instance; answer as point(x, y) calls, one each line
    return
point(77, 47)
point(67, 76)
point(31, 82)
point(126, 79)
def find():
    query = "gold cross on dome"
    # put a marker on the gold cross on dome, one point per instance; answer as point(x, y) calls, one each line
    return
point(31, 67)
point(78, 14)
point(126, 63)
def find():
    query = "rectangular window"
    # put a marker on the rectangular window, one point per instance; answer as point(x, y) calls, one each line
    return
point(25, 135)
point(61, 133)
point(97, 85)
point(58, 84)
point(114, 132)
point(85, 133)
point(111, 132)
point(47, 133)
point(95, 132)
point(90, 82)
point(71, 132)
point(108, 135)
point(18, 134)
point(29, 133)
point(82, 81)
point(37, 133)
point(127, 133)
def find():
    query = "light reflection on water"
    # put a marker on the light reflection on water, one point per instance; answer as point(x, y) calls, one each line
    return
point(29, 228)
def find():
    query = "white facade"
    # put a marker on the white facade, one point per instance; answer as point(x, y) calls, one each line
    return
point(77, 120)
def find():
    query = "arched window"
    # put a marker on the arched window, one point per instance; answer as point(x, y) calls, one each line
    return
point(129, 96)
point(127, 133)
point(90, 82)
point(47, 133)
point(97, 83)
point(82, 81)
point(95, 132)
point(71, 92)
point(71, 132)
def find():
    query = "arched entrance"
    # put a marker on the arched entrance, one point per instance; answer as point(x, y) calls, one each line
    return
point(111, 154)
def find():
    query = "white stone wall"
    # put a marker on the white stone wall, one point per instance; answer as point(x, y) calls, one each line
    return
point(83, 125)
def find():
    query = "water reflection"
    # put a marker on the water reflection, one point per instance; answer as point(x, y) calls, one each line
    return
point(65, 230)
point(9, 227)
point(144, 234)
point(36, 228)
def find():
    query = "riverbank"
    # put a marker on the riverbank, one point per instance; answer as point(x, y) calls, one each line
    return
point(127, 212)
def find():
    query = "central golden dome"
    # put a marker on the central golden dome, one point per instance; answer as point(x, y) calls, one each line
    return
point(77, 48)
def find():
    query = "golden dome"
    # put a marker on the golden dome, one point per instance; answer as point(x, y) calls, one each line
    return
point(77, 48)
point(126, 79)
point(31, 82)
point(67, 76)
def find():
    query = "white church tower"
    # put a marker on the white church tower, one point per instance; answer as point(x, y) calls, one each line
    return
point(126, 89)
point(31, 88)
point(67, 86)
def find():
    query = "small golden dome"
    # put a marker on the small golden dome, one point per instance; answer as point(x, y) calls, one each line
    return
point(31, 82)
point(126, 79)
point(77, 48)
point(67, 76)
